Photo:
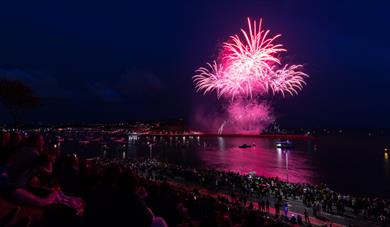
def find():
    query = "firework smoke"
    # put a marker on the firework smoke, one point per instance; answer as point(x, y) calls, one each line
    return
point(249, 117)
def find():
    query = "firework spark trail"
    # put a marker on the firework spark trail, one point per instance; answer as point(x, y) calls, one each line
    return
point(220, 129)
point(287, 79)
point(255, 54)
point(250, 65)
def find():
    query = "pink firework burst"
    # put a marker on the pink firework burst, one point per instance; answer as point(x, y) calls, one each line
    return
point(250, 65)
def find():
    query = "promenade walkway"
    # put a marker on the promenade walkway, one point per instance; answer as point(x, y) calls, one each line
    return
point(296, 207)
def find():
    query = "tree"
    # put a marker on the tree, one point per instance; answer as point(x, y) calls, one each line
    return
point(17, 97)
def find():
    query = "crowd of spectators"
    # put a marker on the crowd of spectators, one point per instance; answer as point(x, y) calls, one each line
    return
point(74, 192)
point(319, 198)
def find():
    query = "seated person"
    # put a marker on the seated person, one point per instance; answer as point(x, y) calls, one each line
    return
point(25, 158)
point(32, 185)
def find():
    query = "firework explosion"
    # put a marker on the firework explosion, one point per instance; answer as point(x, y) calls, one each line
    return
point(249, 67)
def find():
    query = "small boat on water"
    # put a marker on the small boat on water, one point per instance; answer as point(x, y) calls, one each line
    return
point(285, 144)
point(84, 142)
point(119, 140)
point(243, 146)
point(97, 139)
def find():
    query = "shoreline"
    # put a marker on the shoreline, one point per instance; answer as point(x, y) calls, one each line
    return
point(276, 136)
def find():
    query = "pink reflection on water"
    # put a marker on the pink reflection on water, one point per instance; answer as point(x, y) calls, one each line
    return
point(263, 159)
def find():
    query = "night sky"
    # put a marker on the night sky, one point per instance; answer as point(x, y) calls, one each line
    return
point(133, 60)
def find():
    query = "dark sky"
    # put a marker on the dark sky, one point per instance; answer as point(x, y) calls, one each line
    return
point(126, 60)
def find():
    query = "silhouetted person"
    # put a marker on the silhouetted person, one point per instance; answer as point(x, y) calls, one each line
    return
point(285, 209)
point(121, 207)
point(26, 157)
point(299, 220)
point(262, 205)
point(4, 153)
point(293, 220)
point(277, 208)
point(307, 218)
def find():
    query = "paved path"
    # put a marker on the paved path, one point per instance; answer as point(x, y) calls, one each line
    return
point(313, 220)
point(296, 207)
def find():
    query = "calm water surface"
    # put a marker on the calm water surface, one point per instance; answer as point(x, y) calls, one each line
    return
point(346, 163)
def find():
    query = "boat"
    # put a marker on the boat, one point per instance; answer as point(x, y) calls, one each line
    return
point(285, 144)
point(84, 142)
point(245, 146)
point(119, 140)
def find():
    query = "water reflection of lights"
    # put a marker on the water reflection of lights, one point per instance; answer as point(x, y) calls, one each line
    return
point(386, 163)
point(286, 152)
point(281, 151)
point(150, 149)
point(221, 143)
